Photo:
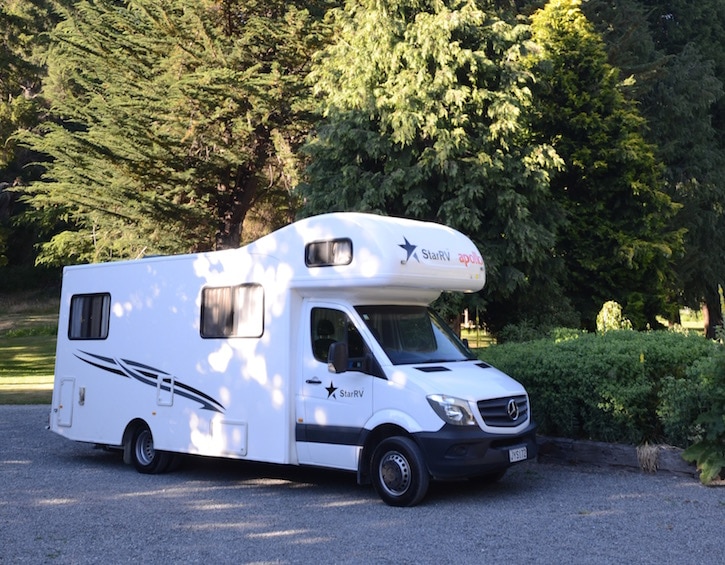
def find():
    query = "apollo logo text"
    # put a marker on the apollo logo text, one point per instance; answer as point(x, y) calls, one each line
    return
point(470, 259)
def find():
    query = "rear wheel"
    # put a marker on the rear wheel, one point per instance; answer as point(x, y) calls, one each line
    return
point(398, 472)
point(145, 458)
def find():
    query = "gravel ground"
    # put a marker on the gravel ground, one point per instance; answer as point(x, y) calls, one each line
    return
point(64, 502)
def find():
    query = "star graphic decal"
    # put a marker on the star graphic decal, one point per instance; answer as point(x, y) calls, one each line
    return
point(409, 249)
point(331, 390)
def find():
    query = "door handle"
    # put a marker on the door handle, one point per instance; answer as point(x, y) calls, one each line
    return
point(313, 381)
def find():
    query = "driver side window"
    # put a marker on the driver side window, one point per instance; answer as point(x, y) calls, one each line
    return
point(328, 326)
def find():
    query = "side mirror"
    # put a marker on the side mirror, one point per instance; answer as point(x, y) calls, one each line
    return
point(337, 357)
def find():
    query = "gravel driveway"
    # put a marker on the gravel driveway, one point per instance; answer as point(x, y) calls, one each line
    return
point(64, 502)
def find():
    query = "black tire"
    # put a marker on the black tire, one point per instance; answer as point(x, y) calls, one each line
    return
point(145, 458)
point(398, 472)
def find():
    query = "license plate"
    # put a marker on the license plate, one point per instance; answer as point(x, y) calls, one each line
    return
point(517, 454)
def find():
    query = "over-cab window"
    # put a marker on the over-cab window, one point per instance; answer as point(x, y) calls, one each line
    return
point(89, 315)
point(329, 253)
point(232, 311)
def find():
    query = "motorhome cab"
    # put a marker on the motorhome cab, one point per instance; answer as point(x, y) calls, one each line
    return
point(313, 345)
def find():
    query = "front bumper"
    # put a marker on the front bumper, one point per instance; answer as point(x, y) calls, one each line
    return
point(455, 452)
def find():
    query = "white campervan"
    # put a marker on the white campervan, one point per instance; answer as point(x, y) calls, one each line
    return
point(313, 345)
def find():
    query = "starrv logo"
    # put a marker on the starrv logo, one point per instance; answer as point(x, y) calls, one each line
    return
point(470, 259)
point(427, 254)
point(409, 249)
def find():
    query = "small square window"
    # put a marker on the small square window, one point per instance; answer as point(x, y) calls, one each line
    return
point(329, 253)
point(89, 316)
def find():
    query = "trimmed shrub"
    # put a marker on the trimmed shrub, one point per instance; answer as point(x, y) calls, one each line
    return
point(694, 407)
point(609, 386)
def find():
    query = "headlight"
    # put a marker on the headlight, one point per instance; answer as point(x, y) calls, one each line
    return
point(452, 410)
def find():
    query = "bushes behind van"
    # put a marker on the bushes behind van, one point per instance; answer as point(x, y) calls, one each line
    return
point(618, 386)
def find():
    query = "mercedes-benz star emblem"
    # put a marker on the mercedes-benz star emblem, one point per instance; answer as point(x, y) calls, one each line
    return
point(513, 410)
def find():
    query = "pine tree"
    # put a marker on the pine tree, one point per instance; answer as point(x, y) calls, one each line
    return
point(173, 118)
point(22, 25)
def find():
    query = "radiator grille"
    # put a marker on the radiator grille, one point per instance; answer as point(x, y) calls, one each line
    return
point(500, 412)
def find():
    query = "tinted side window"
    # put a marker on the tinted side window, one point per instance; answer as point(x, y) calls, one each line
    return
point(89, 316)
point(328, 326)
point(232, 311)
point(328, 253)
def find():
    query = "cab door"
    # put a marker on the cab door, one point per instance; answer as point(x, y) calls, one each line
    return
point(332, 408)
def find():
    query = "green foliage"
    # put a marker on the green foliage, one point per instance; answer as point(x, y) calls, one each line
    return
point(522, 331)
point(687, 137)
point(15, 113)
point(28, 278)
point(684, 398)
point(21, 26)
point(22, 43)
point(610, 318)
point(708, 455)
point(526, 330)
point(695, 407)
point(172, 119)
point(426, 108)
point(604, 387)
point(617, 241)
point(625, 30)
point(174, 122)
point(683, 99)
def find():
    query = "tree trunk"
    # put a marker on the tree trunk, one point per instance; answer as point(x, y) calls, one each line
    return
point(237, 195)
point(711, 312)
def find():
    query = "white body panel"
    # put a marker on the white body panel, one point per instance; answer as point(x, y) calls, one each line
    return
point(262, 397)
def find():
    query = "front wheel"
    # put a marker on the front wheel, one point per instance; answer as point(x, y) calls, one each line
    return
point(398, 472)
point(145, 458)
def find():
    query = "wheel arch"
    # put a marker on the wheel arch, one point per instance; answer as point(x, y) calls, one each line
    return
point(131, 427)
point(382, 425)
point(372, 440)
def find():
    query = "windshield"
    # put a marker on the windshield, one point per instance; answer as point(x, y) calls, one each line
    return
point(413, 334)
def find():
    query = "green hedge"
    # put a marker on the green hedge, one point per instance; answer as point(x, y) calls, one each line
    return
point(619, 386)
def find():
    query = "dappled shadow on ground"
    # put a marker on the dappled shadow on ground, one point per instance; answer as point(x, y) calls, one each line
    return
point(318, 481)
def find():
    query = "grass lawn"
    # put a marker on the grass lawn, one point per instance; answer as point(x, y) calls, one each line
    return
point(477, 338)
point(27, 348)
point(26, 369)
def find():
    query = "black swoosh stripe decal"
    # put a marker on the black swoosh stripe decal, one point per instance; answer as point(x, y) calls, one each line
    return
point(149, 376)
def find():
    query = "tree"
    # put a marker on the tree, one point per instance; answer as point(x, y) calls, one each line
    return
point(425, 110)
point(617, 242)
point(172, 120)
point(683, 97)
point(22, 25)
point(686, 110)
point(672, 51)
